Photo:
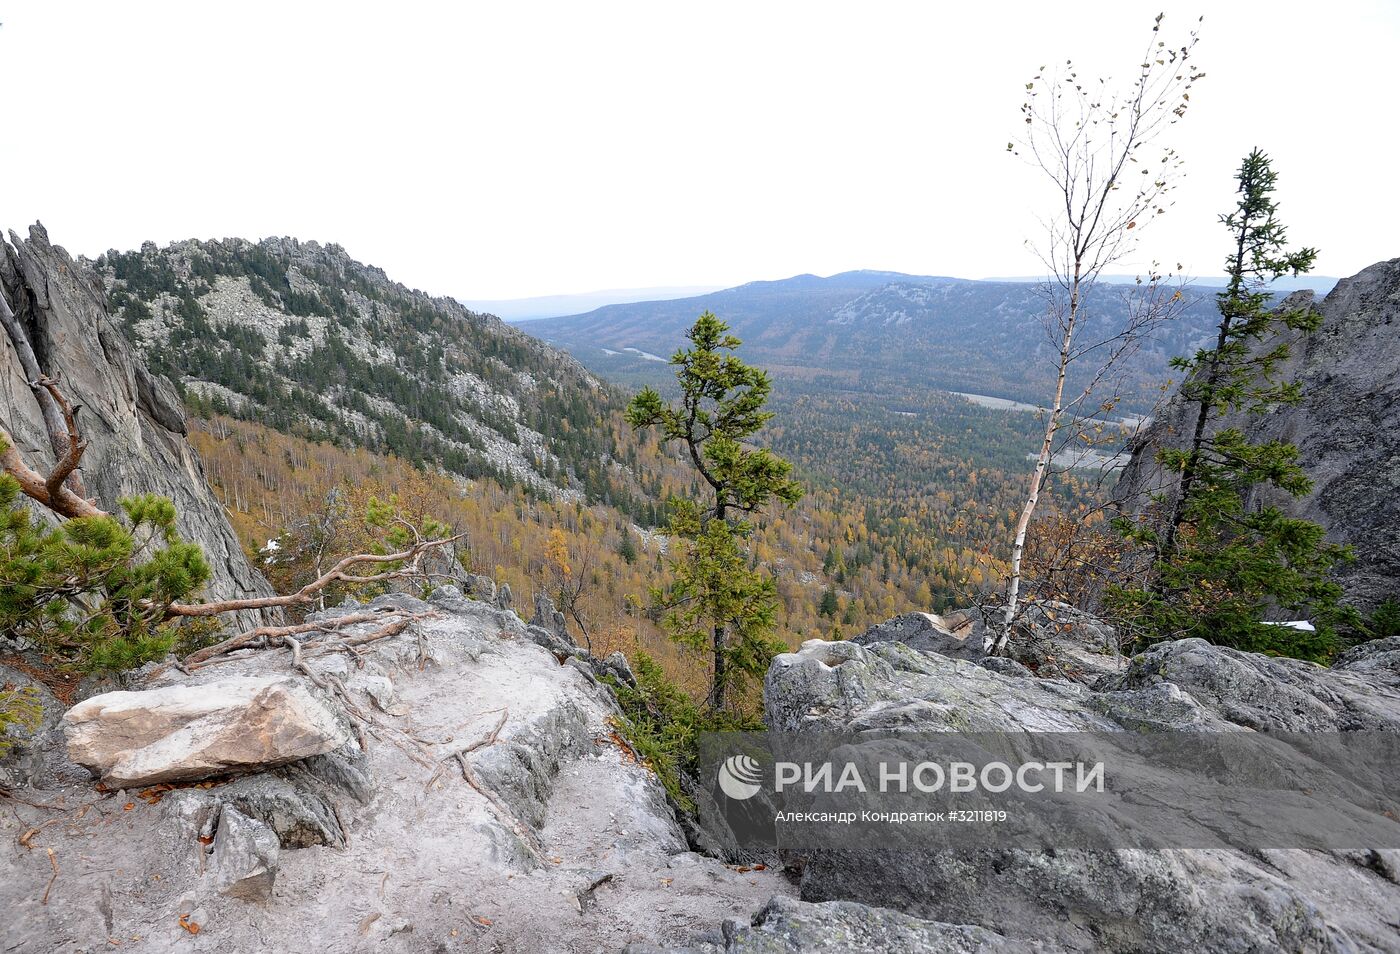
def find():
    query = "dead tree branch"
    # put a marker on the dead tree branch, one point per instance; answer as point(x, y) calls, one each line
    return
point(54, 491)
point(399, 620)
point(339, 573)
point(499, 808)
point(64, 469)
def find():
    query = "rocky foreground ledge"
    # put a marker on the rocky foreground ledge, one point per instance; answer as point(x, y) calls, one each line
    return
point(458, 786)
point(1075, 900)
point(241, 813)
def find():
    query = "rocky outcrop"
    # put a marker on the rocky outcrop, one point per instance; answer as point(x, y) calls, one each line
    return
point(787, 926)
point(1052, 639)
point(182, 733)
point(245, 856)
point(1126, 900)
point(132, 419)
point(1347, 429)
point(546, 834)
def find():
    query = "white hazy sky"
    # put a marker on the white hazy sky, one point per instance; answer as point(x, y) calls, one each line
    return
point(510, 149)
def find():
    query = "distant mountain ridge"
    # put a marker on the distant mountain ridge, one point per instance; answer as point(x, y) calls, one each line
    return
point(875, 330)
point(551, 306)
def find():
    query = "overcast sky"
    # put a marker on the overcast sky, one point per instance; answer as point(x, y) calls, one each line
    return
point(511, 149)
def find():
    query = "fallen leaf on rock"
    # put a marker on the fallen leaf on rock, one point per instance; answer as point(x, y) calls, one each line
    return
point(188, 925)
point(481, 919)
point(154, 794)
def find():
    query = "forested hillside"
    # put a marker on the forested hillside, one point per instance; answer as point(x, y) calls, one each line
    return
point(301, 337)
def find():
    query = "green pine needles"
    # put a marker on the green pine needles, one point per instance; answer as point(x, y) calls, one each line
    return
point(718, 603)
point(94, 590)
point(1222, 557)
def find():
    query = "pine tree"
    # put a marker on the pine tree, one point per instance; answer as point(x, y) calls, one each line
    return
point(718, 602)
point(830, 604)
point(93, 591)
point(627, 548)
point(1218, 565)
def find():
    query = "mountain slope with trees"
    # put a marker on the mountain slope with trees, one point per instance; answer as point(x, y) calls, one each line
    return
point(305, 339)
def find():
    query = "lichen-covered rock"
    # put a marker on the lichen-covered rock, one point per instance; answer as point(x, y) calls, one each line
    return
point(555, 839)
point(788, 926)
point(479, 587)
point(1127, 900)
point(548, 617)
point(184, 732)
point(1050, 639)
point(615, 664)
point(1362, 691)
point(924, 632)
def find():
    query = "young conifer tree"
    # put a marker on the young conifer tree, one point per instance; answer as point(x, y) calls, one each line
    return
point(719, 603)
point(1219, 563)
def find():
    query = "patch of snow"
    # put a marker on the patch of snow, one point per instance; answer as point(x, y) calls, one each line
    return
point(1301, 625)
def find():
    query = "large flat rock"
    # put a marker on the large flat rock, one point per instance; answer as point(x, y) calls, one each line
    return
point(183, 732)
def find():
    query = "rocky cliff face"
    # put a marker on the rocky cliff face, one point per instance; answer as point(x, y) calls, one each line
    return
point(1347, 429)
point(132, 418)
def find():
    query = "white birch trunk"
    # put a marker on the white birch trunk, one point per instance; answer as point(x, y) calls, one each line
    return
point(995, 642)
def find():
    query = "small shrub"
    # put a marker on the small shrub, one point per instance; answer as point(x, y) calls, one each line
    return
point(663, 725)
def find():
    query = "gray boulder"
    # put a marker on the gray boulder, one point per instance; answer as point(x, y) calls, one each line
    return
point(548, 617)
point(788, 926)
point(1265, 693)
point(245, 856)
point(478, 587)
point(1125, 900)
point(1051, 639)
point(925, 632)
point(615, 664)
point(187, 732)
